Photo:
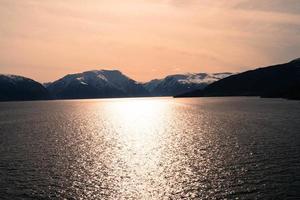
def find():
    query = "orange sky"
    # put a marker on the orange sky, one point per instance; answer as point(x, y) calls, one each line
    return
point(145, 39)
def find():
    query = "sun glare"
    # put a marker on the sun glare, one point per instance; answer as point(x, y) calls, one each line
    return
point(137, 123)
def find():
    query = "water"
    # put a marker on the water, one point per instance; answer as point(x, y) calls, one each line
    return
point(156, 148)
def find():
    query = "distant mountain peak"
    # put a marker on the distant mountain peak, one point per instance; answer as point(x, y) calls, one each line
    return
point(103, 71)
point(96, 84)
point(179, 83)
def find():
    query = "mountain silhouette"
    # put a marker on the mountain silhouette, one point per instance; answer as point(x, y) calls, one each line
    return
point(19, 88)
point(277, 81)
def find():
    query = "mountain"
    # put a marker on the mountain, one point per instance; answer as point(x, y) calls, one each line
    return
point(276, 81)
point(18, 88)
point(180, 83)
point(46, 84)
point(96, 84)
point(291, 93)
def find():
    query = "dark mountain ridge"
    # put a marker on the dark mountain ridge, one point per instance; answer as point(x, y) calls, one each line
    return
point(19, 88)
point(277, 81)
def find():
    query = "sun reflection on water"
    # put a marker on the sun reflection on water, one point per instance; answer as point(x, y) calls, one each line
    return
point(153, 148)
point(139, 126)
point(141, 149)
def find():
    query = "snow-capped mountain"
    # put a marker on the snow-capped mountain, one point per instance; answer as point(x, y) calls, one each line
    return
point(96, 84)
point(181, 83)
point(17, 88)
point(101, 84)
point(276, 81)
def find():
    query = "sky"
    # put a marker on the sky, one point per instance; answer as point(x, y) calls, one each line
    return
point(145, 39)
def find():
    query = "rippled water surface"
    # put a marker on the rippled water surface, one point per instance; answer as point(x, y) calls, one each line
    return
point(160, 148)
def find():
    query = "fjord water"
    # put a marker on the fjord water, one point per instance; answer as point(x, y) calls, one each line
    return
point(154, 148)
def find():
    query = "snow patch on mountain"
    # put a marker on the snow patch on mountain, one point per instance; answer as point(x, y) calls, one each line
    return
point(179, 83)
point(296, 60)
point(202, 78)
point(101, 76)
point(96, 83)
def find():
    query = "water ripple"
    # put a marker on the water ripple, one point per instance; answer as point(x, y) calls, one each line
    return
point(209, 148)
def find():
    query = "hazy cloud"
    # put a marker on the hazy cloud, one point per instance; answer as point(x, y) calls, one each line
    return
point(134, 36)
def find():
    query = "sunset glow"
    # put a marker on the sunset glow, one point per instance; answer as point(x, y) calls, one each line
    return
point(149, 99)
point(145, 39)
